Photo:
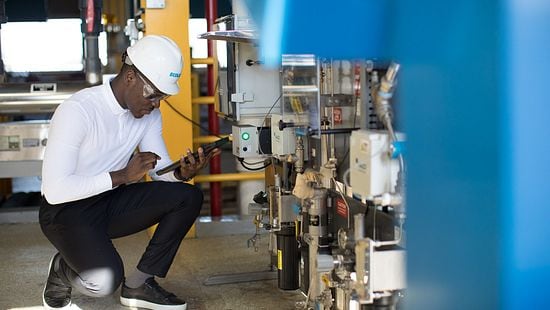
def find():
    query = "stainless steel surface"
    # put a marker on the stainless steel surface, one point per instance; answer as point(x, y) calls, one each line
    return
point(24, 140)
point(22, 146)
point(241, 36)
point(32, 98)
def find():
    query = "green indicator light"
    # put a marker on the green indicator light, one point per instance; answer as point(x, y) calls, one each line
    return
point(245, 136)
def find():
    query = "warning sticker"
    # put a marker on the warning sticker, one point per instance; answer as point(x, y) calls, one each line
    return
point(341, 208)
point(279, 259)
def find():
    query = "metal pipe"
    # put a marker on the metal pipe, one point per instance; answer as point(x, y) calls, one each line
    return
point(211, 7)
point(92, 61)
point(384, 112)
point(224, 177)
point(90, 13)
point(384, 94)
point(333, 131)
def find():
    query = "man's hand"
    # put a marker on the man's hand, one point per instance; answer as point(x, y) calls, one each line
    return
point(138, 165)
point(187, 171)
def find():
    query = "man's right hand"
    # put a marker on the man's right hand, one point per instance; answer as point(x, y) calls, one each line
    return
point(138, 165)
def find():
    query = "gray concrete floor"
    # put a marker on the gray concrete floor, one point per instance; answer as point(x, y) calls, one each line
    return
point(25, 254)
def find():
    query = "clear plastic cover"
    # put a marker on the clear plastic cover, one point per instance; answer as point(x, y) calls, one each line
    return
point(300, 92)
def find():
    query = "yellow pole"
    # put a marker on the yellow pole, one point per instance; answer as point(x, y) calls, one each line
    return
point(173, 21)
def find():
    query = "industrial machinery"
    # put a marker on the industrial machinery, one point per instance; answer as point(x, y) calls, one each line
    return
point(31, 89)
point(333, 203)
point(335, 206)
point(22, 146)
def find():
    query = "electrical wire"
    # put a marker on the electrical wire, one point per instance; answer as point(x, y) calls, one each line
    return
point(263, 122)
point(256, 163)
point(190, 120)
point(392, 242)
point(241, 160)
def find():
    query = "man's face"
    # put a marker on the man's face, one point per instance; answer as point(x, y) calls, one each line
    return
point(147, 97)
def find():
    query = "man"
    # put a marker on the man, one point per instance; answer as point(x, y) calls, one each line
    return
point(90, 183)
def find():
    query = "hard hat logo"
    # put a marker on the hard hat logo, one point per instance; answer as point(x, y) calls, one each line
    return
point(154, 55)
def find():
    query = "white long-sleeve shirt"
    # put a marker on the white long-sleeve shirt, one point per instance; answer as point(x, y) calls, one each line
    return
point(91, 135)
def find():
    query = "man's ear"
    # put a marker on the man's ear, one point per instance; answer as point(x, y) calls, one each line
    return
point(130, 76)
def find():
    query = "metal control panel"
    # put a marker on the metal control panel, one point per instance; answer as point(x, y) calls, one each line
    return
point(23, 140)
point(22, 147)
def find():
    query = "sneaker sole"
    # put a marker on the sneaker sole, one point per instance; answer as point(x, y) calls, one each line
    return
point(130, 302)
point(44, 291)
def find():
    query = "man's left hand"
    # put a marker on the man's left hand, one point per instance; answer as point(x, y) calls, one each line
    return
point(188, 169)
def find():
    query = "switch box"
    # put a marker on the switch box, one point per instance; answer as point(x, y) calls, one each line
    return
point(372, 170)
point(245, 141)
point(283, 142)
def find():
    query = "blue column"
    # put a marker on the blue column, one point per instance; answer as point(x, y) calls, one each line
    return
point(450, 90)
point(474, 84)
point(526, 160)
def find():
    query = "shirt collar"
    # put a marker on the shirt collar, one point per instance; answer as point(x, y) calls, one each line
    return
point(112, 102)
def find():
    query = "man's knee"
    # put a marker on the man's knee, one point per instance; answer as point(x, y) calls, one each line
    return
point(100, 282)
point(197, 198)
point(197, 194)
point(191, 197)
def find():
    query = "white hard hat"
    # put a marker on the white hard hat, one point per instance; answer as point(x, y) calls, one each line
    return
point(159, 59)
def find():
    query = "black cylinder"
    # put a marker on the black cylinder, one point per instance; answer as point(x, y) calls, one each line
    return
point(304, 251)
point(288, 257)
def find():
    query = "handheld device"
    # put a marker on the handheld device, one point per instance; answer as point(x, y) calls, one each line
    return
point(207, 148)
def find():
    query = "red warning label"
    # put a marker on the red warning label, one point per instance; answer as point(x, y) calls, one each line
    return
point(341, 208)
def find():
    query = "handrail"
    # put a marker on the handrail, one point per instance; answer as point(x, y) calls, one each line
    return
point(223, 177)
point(203, 100)
point(202, 61)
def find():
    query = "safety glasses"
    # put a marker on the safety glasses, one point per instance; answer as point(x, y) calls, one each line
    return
point(148, 90)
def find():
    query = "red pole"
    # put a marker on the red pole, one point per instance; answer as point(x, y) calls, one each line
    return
point(213, 124)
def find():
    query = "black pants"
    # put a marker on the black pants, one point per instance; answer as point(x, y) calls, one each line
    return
point(82, 231)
